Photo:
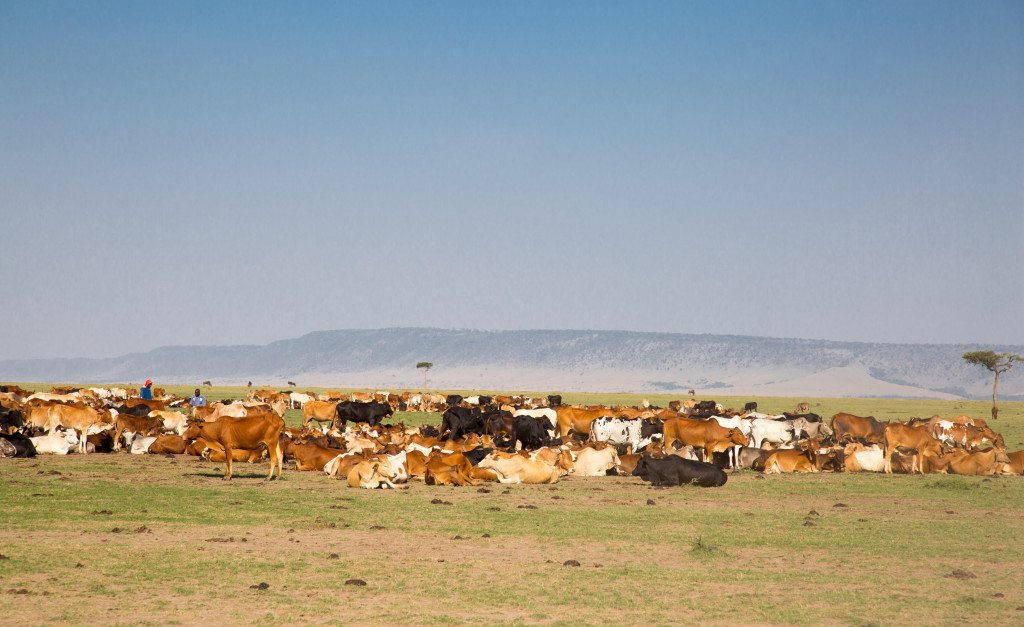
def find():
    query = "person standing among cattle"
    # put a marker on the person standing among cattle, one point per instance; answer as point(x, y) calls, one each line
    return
point(197, 400)
point(146, 393)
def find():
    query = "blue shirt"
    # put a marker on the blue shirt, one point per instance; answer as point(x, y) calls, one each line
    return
point(146, 394)
point(197, 401)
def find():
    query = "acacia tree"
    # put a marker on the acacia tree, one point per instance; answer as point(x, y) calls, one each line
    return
point(425, 366)
point(997, 363)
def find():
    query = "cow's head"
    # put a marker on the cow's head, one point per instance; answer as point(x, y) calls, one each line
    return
point(641, 467)
point(736, 437)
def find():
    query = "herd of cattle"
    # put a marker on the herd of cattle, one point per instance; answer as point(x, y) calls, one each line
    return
point(509, 439)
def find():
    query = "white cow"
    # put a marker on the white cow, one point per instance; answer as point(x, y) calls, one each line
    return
point(627, 432)
point(57, 442)
point(174, 421)
point(864, 459)
point(767, 430)
point(140, 446)
point(592, 463)
point(298, 399)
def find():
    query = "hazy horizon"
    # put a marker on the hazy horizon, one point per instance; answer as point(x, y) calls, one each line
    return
point(997, 347)
point(205, 173)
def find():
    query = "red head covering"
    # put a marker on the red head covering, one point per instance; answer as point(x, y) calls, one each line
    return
point(149, 382)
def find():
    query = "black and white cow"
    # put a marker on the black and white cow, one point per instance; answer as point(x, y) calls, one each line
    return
point(632, 433)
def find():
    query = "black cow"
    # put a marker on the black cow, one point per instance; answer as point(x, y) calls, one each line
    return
point(11, 418)
point(531, 432)
point(498, 422)
point(371, 413)
point(459, 421)
point(704, 407)
point(16, 445)
point(485, 400)
point(651, 427)
point(751, 406)
point(674, 470)
point(452, 400)
point(554, 400)
point(139, 411)
point(807, 417)
point(477, 455)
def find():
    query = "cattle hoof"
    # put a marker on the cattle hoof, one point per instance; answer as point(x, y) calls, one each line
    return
point(260, 586)
point(570, 563)
point(355, 582)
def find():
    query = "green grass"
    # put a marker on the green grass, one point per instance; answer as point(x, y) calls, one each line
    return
point(877, 549)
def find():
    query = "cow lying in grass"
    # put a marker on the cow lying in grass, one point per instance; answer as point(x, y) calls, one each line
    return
point(673, 470)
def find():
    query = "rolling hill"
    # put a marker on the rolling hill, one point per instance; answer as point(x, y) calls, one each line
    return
point(555, 360)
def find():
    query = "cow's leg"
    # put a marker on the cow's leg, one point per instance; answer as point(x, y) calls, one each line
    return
point(227, 462)
point(272, 453)
point(83, 440)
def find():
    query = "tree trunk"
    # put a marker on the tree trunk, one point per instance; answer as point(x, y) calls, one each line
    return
point(424, 377)
point(995, 407)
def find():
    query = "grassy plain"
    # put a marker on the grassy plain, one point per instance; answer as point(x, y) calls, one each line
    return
point(848, 549)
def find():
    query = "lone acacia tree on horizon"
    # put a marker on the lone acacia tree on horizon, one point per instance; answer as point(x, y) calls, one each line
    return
point(425, 366)
point(997, 363)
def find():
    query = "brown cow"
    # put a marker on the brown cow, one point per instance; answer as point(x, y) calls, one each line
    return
point(899, 435)
point(454, 469)
point(165, 444)
point(320, 411)
point(848, 427)
point(78, 417)
point(578, 419)
point(988, 462)
point(415, 464)
point(248, 433)
point(311, 456)
point(141, 425)
point(703, 434)
point(788, 460)
point(1016, 464)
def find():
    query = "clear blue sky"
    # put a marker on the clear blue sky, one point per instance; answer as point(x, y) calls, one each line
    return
point(213, 173)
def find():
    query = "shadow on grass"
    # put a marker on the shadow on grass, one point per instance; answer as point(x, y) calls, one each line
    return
point(220, 475)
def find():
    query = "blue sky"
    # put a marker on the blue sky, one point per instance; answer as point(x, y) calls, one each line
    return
point(213, 173)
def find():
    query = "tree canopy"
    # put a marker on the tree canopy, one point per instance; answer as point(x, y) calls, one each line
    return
point(996, 362)
point(424, 364)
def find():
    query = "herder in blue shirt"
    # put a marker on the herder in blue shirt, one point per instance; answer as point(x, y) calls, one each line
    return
point(146, 393)
point(198, 400)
